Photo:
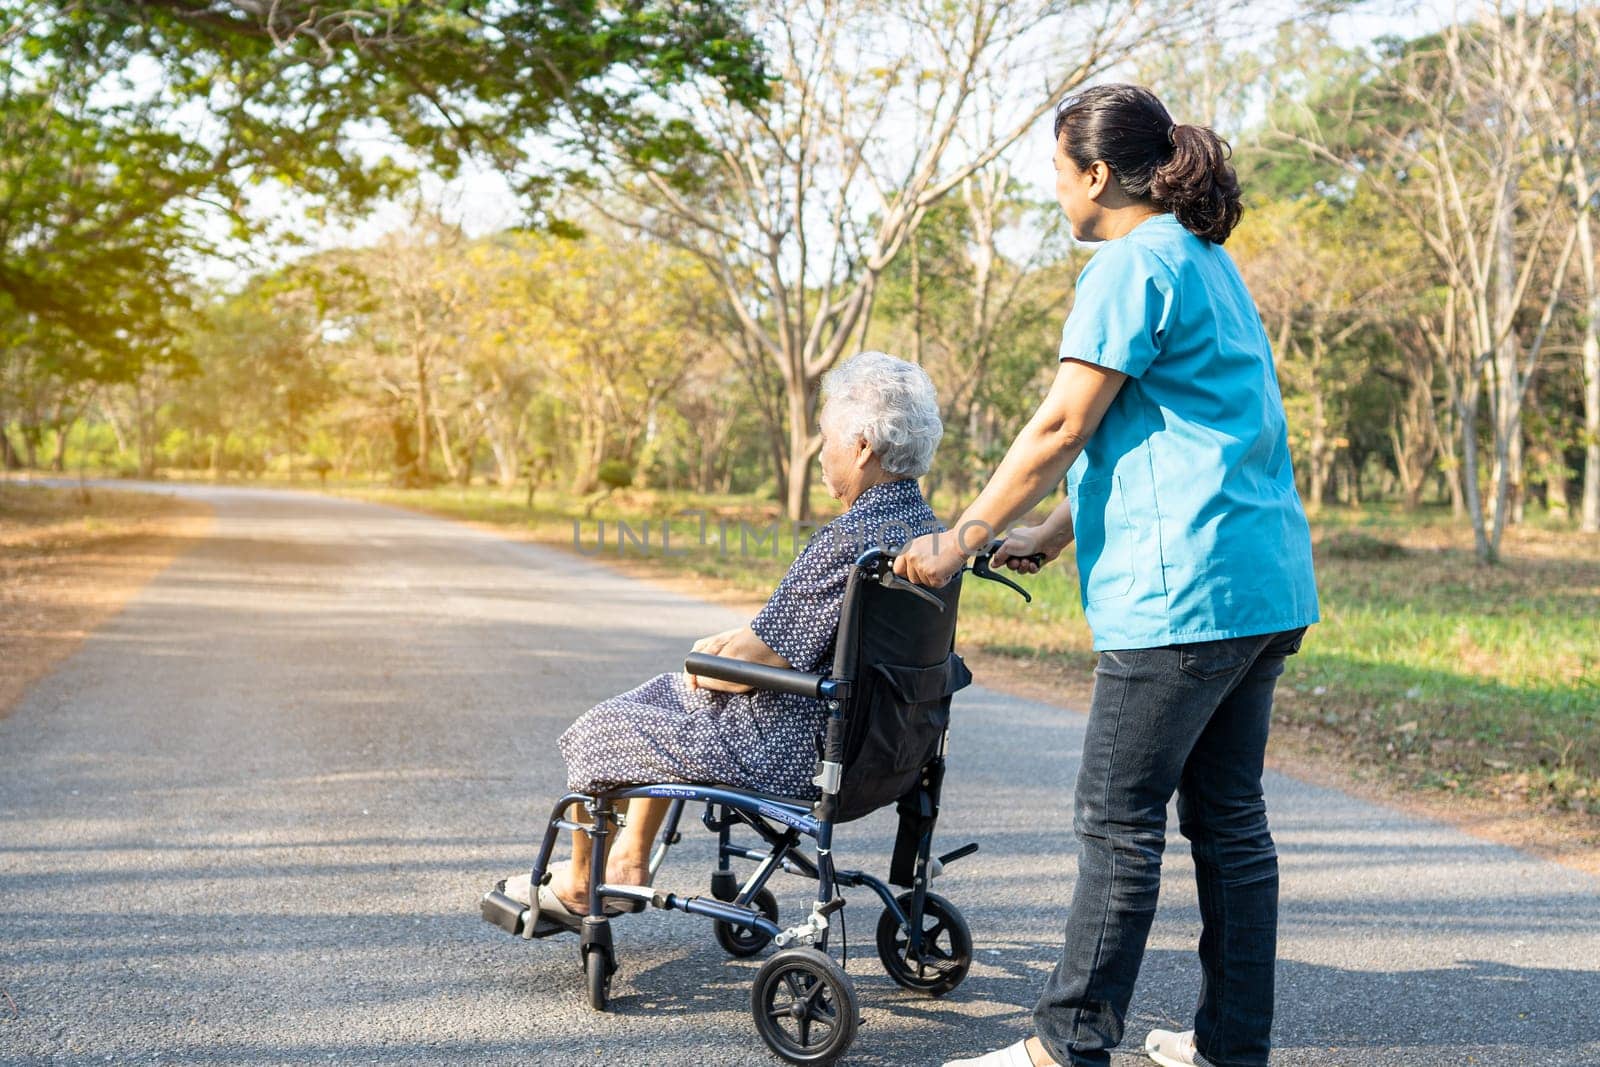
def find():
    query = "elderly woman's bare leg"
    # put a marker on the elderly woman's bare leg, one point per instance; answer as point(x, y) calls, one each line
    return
point(627, 860)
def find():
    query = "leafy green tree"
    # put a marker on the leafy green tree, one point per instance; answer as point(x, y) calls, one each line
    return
point(126, 125)
point(262, 373)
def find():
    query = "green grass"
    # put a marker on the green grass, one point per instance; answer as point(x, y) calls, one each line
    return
point(1445, 674)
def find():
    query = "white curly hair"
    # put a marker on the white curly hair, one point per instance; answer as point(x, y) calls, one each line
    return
point(891, 404)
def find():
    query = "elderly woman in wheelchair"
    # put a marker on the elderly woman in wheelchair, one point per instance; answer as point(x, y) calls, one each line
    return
point(831, 703)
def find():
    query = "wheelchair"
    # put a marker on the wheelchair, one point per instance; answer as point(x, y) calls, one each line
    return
point(888, 707)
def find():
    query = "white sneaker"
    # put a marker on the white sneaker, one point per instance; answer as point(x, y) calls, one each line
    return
point(1010, 1056)
point(1171, 1049)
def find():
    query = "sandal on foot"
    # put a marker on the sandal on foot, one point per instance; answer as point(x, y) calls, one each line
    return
point(518, 889)
point(554, 909)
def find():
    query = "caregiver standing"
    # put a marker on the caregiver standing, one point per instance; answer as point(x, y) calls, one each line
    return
point(1194, 560)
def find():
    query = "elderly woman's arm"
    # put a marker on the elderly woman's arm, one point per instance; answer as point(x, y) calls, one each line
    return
point(740, 642)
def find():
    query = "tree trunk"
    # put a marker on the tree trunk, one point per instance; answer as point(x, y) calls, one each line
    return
point(1414, 429)
point(1589, 521)
point(1589, 508)
point(1446, 415)
point(469, 449)
point(507, 464)
point(1506, 474)
point(1557, 502)
point(8, 451)
point(1318, 458)
point(58, 462)
point(591, 452)
point(704, 469)
point(451, 468)
point(1412, 475)
point(1467, 423)
point(405, 456)
point(143, 431)
point(802, 449)
point(420, 353)
point(916, 299)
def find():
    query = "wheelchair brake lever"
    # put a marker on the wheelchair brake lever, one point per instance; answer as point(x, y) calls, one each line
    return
point(890, 580)
point(981, 568)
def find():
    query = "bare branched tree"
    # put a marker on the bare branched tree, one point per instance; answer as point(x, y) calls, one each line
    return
point(1458, 143)
point(874, 118)
point(1570, 104)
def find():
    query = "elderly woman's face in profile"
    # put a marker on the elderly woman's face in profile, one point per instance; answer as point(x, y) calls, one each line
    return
point(839, 451)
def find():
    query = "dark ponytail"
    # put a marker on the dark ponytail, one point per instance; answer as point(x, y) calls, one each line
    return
point(1181, 169)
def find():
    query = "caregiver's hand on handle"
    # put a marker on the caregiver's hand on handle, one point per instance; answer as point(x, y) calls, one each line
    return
point(1028, 548)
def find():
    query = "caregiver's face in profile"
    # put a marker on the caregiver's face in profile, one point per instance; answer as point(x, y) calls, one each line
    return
point(1077, 193)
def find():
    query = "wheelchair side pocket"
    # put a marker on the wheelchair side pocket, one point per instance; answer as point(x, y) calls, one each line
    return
point(895, 731)
point(910, 710)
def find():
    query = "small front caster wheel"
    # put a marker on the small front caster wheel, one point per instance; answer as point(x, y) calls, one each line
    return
point(598, 968)
point(804, 1006)
point(946, 946)
point(742, 941)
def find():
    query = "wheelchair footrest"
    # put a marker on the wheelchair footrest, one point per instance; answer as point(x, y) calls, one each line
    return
point(513, 917)
point(499, 909)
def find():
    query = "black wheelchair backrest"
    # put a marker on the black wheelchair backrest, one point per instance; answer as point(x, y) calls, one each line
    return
point(896, 648)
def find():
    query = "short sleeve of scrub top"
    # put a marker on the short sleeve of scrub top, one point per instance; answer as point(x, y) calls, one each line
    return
point(1125, 301)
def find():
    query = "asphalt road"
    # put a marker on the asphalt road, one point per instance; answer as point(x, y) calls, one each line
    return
point(249, 822)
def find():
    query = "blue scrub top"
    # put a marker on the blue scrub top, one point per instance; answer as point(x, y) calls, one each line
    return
point(1188, 524)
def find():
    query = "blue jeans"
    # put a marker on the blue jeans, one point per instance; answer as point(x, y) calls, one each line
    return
point(1190, 719)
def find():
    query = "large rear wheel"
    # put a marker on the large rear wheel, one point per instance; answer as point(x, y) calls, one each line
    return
point(946, 953)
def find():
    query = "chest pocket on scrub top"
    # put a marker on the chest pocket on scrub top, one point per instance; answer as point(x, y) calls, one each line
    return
point(1100, 521)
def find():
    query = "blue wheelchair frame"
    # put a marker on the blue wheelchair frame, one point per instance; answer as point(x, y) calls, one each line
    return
point(782, 823)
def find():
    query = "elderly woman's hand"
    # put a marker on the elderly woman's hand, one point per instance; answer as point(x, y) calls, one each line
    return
point(931, 560)
point(717, 645)
point(714, 644)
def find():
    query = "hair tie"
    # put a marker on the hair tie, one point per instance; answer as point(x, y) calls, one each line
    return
point(1172, 134)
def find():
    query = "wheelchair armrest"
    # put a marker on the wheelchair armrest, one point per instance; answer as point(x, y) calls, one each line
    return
point(759, 675)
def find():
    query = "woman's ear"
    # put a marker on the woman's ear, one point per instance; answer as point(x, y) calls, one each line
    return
point(1100, 179)
point(863, 453)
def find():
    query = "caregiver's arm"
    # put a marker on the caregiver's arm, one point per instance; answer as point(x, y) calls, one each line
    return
point(1033, 466)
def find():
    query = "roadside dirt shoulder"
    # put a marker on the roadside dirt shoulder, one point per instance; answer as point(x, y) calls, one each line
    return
point(70, 561)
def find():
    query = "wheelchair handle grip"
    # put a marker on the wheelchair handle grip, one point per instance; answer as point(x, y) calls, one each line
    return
point(994, 546)
point(759, 675)
point(981, 568)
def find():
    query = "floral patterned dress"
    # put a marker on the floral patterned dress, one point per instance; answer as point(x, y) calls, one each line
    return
point(664, 731)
